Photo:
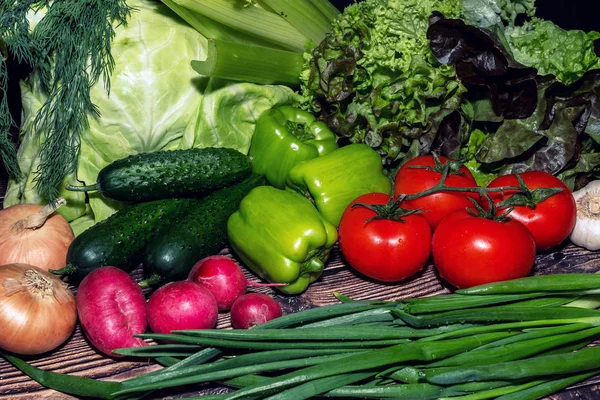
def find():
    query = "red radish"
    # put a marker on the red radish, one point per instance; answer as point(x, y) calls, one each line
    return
point(111, 309)
point(224, 278)
point(181, 305)
point(254, 309)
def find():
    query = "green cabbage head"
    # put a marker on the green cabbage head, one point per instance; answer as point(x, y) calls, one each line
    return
point(156, 102)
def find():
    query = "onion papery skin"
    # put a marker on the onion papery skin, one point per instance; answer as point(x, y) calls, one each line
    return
point(45, 247)
point(33, 322)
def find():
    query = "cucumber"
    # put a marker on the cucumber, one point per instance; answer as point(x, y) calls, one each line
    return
point(169, 174)
point(121, 239)
point(195, 234)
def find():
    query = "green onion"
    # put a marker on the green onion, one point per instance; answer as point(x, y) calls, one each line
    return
point(259, 345)
point(459, 302)
point(555, 283)
point(556, 364)
point(235, 362)
point(326, 313)
point(502, 314)
point(415, 351)
point(514, 346)
point(495, 392)
point(501, 353)
point(332, 333)
point(547, 388)
point(309, 389)
point(222, 374)
point(75, 385)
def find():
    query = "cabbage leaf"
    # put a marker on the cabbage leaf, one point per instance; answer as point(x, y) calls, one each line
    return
point(156, 102)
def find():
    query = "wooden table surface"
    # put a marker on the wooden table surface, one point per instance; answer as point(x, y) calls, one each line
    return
point(77, 357)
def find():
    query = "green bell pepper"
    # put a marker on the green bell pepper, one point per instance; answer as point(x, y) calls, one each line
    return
point(334, 180)
point(281, 236)
point(285, 136)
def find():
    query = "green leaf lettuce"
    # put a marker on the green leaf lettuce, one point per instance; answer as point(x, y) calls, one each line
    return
point(566, 54)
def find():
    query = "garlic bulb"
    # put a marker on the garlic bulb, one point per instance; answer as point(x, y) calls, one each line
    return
point(587, 228)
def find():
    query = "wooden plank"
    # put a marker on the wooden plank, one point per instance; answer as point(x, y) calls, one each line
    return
point(77, 357)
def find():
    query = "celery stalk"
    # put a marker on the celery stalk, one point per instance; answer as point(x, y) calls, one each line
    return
point(256, 64)
point(212, 29)
point(251, 20)
point(326, 8)
point(302, 15)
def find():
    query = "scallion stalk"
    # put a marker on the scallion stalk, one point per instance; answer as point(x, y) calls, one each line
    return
point(520, 347)
point(547, 388)
point(556, 364)
point(222, 374)
point(556, 283)
point(508, 352)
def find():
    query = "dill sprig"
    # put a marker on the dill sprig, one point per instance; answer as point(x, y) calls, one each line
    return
point(15, 41)
point(70, 49)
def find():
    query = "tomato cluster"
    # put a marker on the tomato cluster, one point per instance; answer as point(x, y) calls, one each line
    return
point(475, 235)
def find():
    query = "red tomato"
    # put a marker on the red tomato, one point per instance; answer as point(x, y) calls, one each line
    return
point(469, 250)
point(552, 220)
point(435, 206)
point(383, 249)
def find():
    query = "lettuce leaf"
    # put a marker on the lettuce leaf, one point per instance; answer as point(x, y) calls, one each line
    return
point(566, 54)
point(374, 80)
point(488, 13)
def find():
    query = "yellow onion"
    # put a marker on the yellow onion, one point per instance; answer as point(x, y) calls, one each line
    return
point(35, 235)
point(37, 312)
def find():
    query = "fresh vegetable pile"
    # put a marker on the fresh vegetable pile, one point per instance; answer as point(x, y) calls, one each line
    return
point(523, 339)
point(460, 78)
point(476, 235)
point(142, 51)
point(406, 132)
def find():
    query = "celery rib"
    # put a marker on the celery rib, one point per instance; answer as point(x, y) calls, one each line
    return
point(251, 20)
point(248, 63)
point(210, 28)
point(302, 15)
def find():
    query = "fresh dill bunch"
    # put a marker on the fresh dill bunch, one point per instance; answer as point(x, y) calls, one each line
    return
point(15, 41)
point(70, 48)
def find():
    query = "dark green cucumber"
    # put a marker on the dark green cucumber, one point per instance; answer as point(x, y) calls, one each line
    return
point(200, 232)
point(121, 239)
point(169, 174)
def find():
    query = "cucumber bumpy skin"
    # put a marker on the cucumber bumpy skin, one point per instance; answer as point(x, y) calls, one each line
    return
point(199, 232)
point(121, 239)
point(169, 174)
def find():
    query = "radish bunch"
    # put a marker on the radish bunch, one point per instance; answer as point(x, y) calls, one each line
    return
point(112, 308)
point(215, 284)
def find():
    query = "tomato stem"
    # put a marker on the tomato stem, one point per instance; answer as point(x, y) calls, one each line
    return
point(391, 210)
point(524, 196)
point(442, 187)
